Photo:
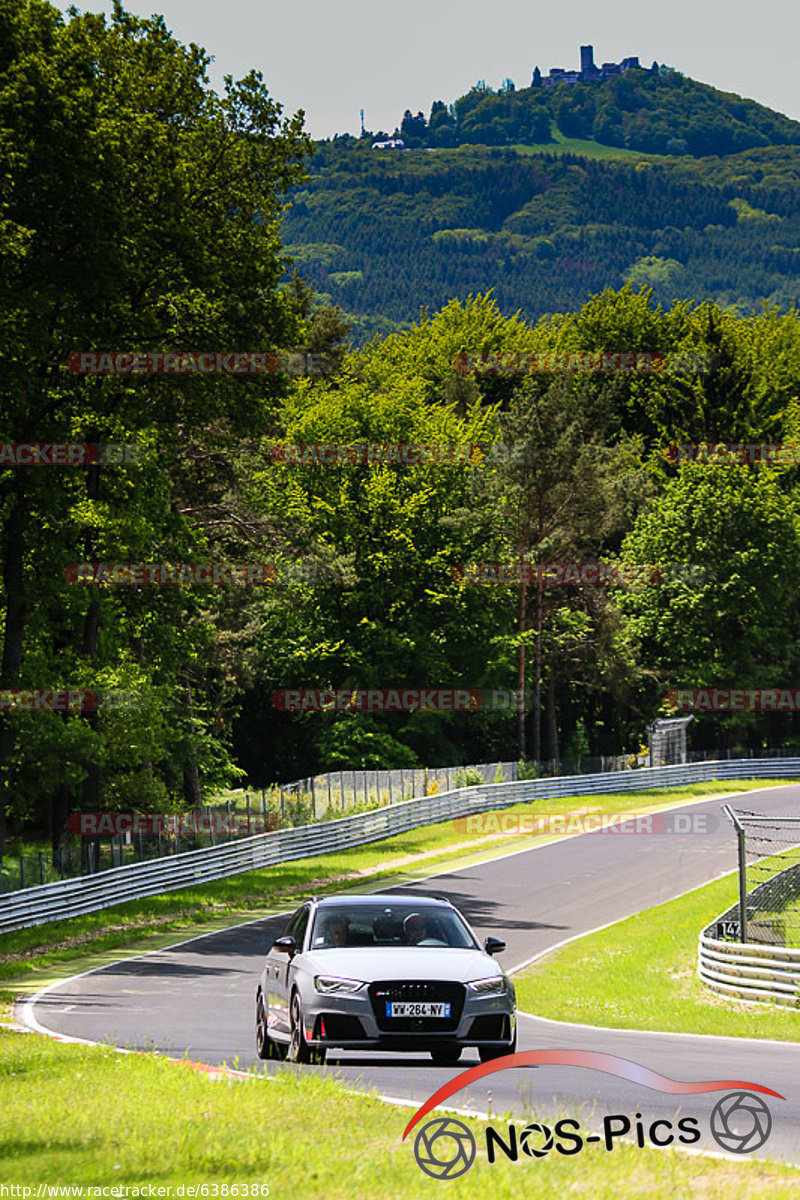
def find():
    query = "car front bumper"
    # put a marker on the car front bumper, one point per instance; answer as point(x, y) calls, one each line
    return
point(350, 1021)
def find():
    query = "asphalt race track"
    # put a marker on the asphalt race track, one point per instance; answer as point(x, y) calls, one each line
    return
point(198, 998)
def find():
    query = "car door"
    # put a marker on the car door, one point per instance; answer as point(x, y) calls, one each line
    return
point(279, 968)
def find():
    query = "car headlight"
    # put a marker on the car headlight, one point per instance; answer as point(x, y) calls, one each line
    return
point(333, 983)
point(495, 985)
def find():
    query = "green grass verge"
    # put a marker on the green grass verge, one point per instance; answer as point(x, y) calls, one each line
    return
point(395, 859)
point(641, 973)
point(86, 1116)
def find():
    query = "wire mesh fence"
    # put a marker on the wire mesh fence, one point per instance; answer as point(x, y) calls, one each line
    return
point(101, 841)
point(768, 910)
point(71, 897)
point(343, 791)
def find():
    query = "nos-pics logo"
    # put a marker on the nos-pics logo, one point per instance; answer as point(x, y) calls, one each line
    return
point(445, 1148)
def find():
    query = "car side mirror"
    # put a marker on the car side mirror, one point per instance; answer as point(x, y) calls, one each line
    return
point(494, 945)
point(286, 945)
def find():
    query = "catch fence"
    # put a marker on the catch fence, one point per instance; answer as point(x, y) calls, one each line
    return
point(752, 950)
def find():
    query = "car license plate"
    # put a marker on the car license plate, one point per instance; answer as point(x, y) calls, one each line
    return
point(395, 1008)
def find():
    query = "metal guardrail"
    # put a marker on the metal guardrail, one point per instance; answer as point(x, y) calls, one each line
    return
point(750, 970)
point(73, 897)
point(763, 970)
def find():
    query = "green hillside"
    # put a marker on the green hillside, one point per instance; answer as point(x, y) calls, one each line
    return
point(656, 111)
point(386, 234)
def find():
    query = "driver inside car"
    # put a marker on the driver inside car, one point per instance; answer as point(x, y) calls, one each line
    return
point(415, 929)
point(335, 931)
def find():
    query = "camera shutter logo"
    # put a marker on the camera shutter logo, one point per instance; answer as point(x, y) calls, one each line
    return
point(527, 1140)
point(740, 1123)
point(444, 1148)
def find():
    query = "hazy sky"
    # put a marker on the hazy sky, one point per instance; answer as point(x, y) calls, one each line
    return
point(332, 59)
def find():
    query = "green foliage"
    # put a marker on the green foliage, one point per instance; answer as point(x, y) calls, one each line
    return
point(546, 231)
point(578, 743)
point(663, 275)
point(138, 210)
point(100, 264)
point(648, 111)
point(745, 212)
point(467, 777)
point(668, 114)
point(356, 742)
point(733, 623)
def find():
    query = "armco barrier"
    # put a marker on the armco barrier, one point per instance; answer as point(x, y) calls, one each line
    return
point(766, 972)
point(750, 970)
point(72, 897)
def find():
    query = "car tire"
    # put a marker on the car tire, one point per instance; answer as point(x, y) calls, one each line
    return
point(299, 1049)
point(446, 1056)
point(487, 1053)
point(265, 1047)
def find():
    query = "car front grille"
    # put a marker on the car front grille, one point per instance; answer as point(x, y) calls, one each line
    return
point(415, 991)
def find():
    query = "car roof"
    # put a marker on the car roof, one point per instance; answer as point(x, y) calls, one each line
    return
point(385, 898)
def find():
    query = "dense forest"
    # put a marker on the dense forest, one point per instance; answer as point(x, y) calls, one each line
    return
point(386, 234)
point(364, 589)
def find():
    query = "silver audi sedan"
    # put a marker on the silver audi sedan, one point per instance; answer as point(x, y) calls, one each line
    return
point(383, 972)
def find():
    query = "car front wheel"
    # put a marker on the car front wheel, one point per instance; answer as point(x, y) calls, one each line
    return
point(299, 1049)
point(487, 1053)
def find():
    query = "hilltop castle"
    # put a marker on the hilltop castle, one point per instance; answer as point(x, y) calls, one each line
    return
point(589, 72)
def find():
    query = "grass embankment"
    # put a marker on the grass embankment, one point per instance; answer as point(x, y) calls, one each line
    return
point(415, 854)
point(641, 973)
point(584, 147)
point(79, 1115)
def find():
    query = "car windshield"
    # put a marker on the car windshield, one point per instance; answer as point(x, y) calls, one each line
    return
point(388, 926)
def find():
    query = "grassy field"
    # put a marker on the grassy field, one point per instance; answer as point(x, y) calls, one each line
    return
point(584, 147)
point(414, 854)
point(88, 1116)
point(642, 974)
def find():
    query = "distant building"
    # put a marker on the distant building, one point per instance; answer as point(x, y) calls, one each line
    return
point(589, 72)
point(587, 62)
point(390, 144)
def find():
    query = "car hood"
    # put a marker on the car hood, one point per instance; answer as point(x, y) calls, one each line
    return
point(402, 962)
